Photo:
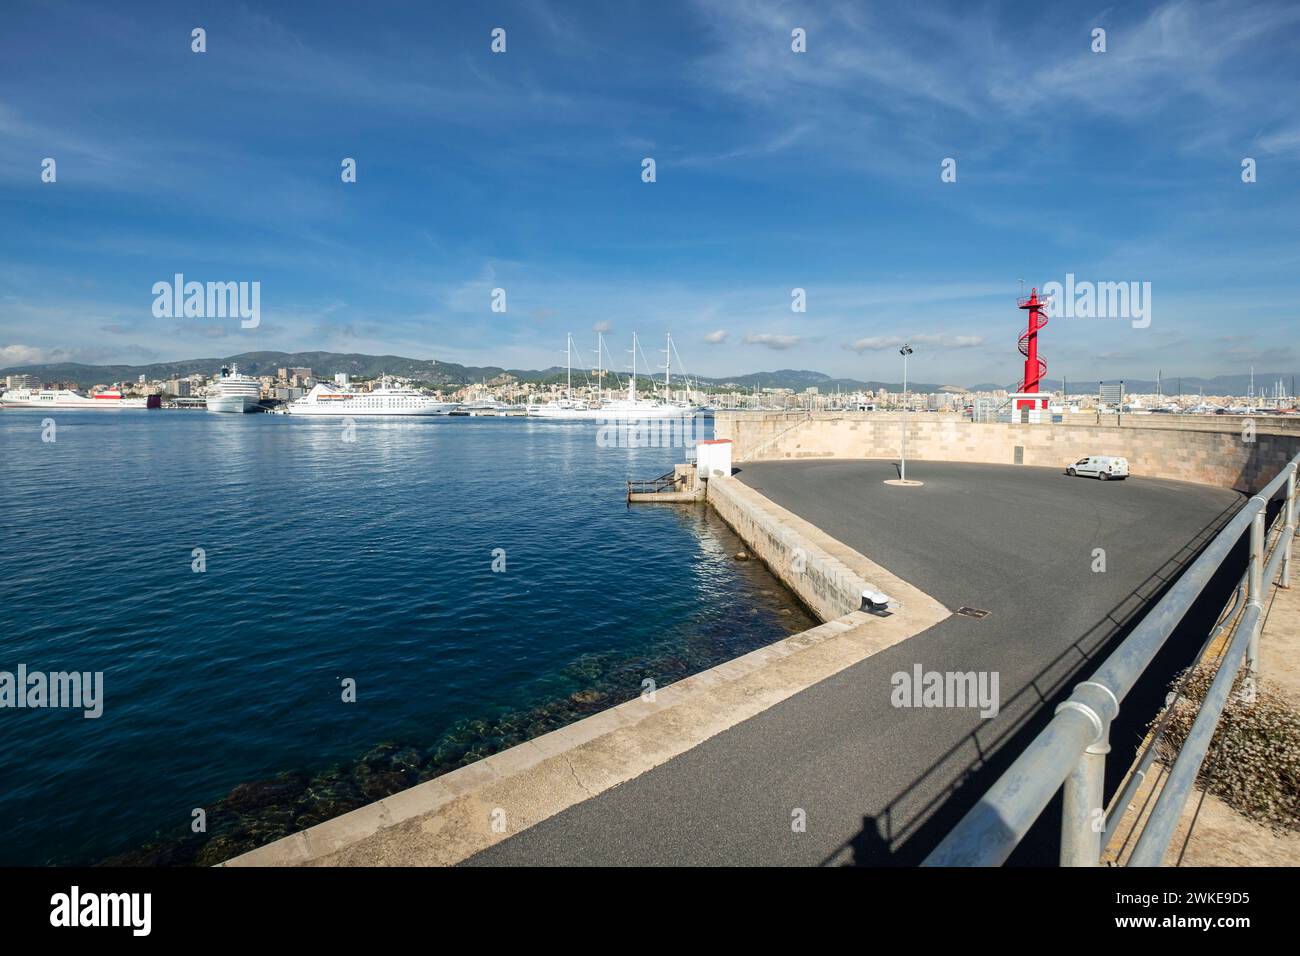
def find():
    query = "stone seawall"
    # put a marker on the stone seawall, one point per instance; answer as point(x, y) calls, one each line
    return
point(826, 575)
point(1213, 452)
point(820, 580)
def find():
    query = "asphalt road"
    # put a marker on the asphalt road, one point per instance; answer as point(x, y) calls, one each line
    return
point(880, 784)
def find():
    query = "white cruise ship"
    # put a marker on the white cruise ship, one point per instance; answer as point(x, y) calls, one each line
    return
point(386, 400)
point(110, 399)
point(233, 392)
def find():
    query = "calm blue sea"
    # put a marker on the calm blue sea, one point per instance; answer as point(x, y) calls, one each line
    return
point(326, 560)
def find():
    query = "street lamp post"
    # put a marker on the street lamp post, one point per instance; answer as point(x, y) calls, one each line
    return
point(905, 351)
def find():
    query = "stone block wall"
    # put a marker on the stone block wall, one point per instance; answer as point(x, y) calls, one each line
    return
point(1213, 452)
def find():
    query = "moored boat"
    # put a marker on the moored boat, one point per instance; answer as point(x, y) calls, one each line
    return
point(388, 399)
point(233, 392)
point(110, 399)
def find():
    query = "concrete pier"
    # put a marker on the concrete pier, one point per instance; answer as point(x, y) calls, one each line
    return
point(798, 753)
point(875, 782)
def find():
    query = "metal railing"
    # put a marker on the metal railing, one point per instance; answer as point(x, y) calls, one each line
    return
point(1072, 748)
point(666, 482)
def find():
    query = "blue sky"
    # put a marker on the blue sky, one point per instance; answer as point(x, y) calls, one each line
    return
point(775, 170)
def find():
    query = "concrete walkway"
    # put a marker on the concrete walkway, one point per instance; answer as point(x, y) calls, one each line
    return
point(874, 783)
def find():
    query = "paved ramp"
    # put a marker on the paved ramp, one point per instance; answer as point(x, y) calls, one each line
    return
point(873, 780)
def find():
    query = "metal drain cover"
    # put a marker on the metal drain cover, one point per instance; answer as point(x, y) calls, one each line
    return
point(965, 611)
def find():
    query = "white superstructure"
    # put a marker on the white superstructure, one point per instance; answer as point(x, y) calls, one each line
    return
point(385, 400)
point(233, 392)
point(488, 407)
point(66, 398)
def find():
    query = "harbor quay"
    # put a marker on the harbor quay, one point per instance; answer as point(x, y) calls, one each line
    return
point(958, 611)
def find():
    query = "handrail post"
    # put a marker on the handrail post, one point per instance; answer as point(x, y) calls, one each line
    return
point(1255, 583)
point(1288, 522)
point(1083, 811)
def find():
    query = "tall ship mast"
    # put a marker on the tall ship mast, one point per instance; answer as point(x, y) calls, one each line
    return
point(630, 408)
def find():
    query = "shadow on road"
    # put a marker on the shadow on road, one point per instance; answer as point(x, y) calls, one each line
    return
point(903, 835)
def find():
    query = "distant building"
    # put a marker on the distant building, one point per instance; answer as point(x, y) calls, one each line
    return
point(340, 378)
point(22, 381)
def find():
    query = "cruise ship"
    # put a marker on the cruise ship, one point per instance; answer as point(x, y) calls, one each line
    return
point(233, 392)
point(385, 400)
point(110, 399)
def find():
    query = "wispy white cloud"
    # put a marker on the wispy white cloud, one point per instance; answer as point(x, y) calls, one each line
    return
point(1285, 141)
point(772, 341)
point(872, 343)
point(931, 78)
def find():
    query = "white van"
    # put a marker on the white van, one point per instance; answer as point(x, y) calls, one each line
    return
point(1100, 466)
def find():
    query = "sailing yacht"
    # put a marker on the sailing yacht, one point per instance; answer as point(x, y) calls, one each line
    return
point(633, 407)
point(567, 408)
point(630, 408)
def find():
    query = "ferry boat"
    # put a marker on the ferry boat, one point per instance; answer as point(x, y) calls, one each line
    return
point(66, 398)
point(387, 399)
point(234, 393)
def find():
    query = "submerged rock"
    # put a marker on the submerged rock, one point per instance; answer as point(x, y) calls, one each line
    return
point(265, 793)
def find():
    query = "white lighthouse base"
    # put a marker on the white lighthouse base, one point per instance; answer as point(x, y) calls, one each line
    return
point(1030, 407)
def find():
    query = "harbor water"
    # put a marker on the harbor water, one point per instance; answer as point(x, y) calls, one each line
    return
point(478, 581)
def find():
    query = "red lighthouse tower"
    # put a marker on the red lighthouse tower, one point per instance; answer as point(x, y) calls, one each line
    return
point(1035, 367)
point(1026, 396)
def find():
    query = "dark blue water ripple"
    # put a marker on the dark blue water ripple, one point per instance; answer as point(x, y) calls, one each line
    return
point(328, 559)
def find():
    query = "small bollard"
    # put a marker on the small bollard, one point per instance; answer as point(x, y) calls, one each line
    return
point(874, 602)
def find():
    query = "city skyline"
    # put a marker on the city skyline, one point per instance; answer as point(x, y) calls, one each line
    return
point(1259, 383)
point(775, 171)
